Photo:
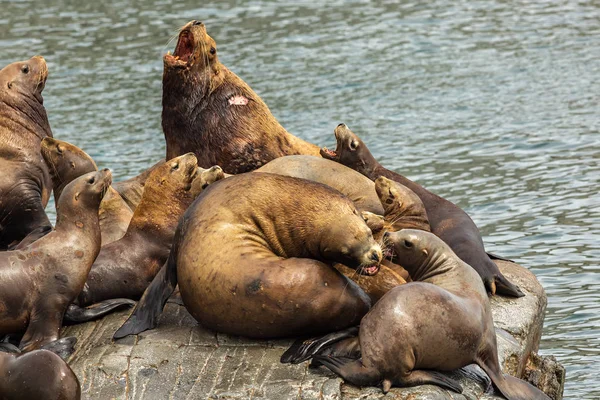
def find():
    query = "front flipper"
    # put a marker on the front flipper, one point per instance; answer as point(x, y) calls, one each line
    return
point(62, 347)
point(9, 348)
point(34, 235)
point(503, 286)
point(497, 257)
point(351, 370)
point(423, 377)
point(302, 350)
point(76, 314)
point(349, 348)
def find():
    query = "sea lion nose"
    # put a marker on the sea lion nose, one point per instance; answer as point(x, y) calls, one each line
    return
point(195, 23)
point(375, 256)
point(342, 125)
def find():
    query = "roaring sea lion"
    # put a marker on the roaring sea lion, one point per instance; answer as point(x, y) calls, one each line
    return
point(403, 343)
point(251, 258)
point(25, 185)
point(67, 162)
point(448, 221)
point(209, 110)
point(40, 375)
point(356, 187)
point(131, 189)
point(126, 267)
point(38, 283)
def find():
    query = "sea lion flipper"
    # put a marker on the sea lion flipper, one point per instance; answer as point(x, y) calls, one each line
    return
point(505, 287)
point(147, 312)
point(62, 347)
point(424, 377)
point(493, 256)
point(34, 235)
point(351, 370)
point(76, 314)
point(512, 388)
point(9, 348)
point(302, 350)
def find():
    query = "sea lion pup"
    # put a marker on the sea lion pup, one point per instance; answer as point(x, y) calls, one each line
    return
point(67, 162)
point(25, 185)
point(448, 221)
point(39, 375)
point(403, 343)
point(131, 189)
point(126, 267)
point(209, 110)
point(38, 282)
point(251, 257)
point(353, 185)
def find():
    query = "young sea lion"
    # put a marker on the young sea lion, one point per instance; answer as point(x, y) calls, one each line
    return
point(448, 221)
point(251, 258)
point(25, 185)
point(39, 375)
point(38, 282)
point(210, 111)
point(126, 267)
point(67, 162)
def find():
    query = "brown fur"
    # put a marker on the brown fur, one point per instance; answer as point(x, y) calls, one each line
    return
point(198, 115)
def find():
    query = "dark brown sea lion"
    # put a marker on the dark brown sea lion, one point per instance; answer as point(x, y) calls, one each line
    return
point(404, 343)
point(251, 257)
point(210, 111)
point(356, 187)
point(38, 283)
point(67, 162)
point(25, 185)
point(447, 220)
point(131, 189)
point(126, 267)
point(39, 375)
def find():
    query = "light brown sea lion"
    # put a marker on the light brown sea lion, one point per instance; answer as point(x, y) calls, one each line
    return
point(356, 187)
point(441, 323)
point(39, 375)
point(251, 258)
point(38, 283)
point(126, 267)
point(448, 221)
point(67, 162)
point(25, 185)
point(210, 111)
point(131, 189)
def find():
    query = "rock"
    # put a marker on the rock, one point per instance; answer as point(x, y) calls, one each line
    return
point(180, 359)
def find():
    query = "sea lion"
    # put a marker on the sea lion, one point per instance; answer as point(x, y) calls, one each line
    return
point(126, 267)
point(251, 258)
point(67, 162)
point(40, 375)
point(38, 283)
point(403, 343)
point(25, 185)
point(131, 189)
point(359, 189)
point(448, 221)
point(210, 111)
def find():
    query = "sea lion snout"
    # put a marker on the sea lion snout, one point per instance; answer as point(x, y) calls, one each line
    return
point(196, 23)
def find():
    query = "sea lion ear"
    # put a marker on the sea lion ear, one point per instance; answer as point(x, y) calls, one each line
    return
point(425, 252)
point(77, 196)
point(9, 84)
point(353, 144)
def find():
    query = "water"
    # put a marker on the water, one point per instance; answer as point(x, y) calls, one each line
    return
point(492, 104)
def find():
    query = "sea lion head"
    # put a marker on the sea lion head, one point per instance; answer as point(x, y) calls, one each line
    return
point(205, 177)
point(403, 208)
point(416, 250)
point(87, 190)
point(195, 53)
point(24, 78)
point(349, 241)
point(174, 176)
point(350, 150)
point(64, 160)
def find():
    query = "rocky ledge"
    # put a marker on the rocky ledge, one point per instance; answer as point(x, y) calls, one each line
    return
point(181, 360)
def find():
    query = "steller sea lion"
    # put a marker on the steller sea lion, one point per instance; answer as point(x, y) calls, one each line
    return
point(39, 375)
point(350, 183)
point(131, 189)
point(448, 221)
point(25, 185)
point(403, 343)
point(209, 110)
point(126, 267)
point(38, 283)
point(251, 258)
point(67, 162)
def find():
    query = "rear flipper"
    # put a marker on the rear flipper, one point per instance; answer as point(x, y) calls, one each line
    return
point(76, 314)
point(148, 310)
point(62, 347)
point(349, 348)
point(419, 377)
point(9, 348)
point(493, 256)
point(351, 370)
point(302, 350)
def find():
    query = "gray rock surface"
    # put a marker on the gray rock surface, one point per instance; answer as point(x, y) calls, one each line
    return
point(181, 360)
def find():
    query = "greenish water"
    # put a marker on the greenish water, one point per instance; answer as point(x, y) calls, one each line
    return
point(491, 104)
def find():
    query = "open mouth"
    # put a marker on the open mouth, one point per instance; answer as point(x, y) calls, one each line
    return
point(388, 253)
point(184, 49)
point(370, 271)
point(329, 154)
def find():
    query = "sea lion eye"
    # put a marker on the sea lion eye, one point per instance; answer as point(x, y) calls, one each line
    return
point(25, 69)
point(353, 145)
point(92, 180)
point(407, 244)
point(213, 50)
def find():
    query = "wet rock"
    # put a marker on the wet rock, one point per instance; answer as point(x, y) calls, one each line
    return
point(183, 360)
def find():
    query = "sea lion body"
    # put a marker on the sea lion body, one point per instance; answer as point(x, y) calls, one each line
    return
point(210, 111)
point(132, 189)
point(39, 375)
point(67, 162)
point(25, 185)
point(350, 183)
point(251, 258)
point(403, 343)
point(38, 282)
point(448, 221)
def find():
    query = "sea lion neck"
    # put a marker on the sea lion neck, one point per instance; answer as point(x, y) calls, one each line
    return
point(24, 113)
